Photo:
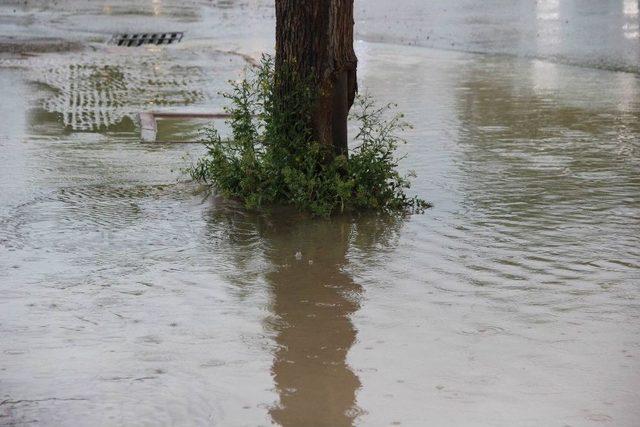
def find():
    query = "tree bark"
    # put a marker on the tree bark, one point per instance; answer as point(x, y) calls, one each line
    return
point(314, 39)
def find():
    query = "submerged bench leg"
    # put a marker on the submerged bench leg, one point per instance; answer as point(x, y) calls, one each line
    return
point(148, 127)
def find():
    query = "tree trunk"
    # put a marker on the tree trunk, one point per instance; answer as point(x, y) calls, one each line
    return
point(314, 38)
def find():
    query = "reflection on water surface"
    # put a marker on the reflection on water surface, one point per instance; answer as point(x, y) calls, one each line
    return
point(128, 294)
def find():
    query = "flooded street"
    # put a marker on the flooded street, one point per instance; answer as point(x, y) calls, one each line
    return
point(130, 296)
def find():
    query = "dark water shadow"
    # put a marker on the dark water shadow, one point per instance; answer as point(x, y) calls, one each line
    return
point(312, 299)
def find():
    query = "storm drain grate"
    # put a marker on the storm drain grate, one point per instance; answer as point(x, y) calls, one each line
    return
point(139, 39)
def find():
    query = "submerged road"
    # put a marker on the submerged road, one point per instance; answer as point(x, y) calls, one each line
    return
point(128, 297)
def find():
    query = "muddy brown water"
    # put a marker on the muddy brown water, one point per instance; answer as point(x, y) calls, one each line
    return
point(129, 296)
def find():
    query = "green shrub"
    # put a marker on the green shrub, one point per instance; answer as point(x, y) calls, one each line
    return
point(272, 157)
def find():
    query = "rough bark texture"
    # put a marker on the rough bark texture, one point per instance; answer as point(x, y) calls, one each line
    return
point(315, 39)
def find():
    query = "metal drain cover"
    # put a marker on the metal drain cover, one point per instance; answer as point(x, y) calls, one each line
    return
point(139, 39)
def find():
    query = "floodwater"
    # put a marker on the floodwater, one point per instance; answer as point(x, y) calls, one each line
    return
point(130, 296)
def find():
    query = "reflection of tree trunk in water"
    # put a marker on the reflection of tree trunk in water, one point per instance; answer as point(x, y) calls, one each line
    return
point(313, 303)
